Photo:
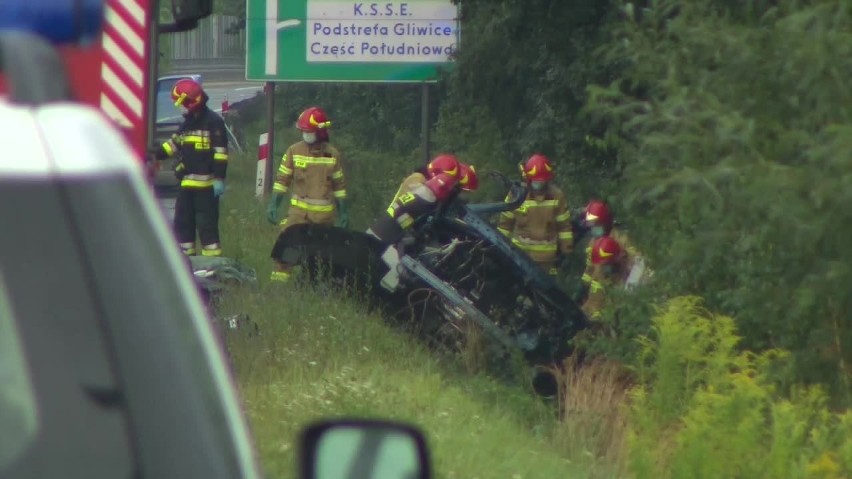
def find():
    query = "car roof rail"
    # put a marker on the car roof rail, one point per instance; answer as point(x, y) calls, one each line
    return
point(34, 71)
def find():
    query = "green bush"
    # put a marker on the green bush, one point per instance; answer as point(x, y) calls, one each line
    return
point(705, 410)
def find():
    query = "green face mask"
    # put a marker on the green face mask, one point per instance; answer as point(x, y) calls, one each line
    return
point(597, 231)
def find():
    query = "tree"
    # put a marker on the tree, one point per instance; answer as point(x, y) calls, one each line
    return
point(738, 132)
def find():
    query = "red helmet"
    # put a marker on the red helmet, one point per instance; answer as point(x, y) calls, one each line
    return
point(606, 250)
point(468, 178)
point(538, 168)
point(597, 213)
point(444, 163)
point(188, 93)
point(313, 120)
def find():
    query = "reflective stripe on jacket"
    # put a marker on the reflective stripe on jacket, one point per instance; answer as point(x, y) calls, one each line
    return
point(541, 224)
point(202, 144)
point(314, 175)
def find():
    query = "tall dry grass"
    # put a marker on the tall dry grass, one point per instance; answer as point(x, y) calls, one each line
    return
point(592, 404)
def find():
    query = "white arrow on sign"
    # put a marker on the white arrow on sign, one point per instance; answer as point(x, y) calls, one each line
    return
point(273, 26)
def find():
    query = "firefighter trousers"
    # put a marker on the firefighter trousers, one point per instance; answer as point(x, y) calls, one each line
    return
point(197, 209)
point(297, 216)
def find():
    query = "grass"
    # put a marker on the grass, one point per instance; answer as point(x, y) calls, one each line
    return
point(322, 354)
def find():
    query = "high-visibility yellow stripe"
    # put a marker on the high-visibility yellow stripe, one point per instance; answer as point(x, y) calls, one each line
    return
point(391, 211)
point(180, 167)
point(300, 161)
point(282, 276)
point(508, 215)
point(504, 231)
point(169, 147)
point(220, 156)
point(340, 194)
point(199, 133)
point(211, 252)
point(186, 183)
point(284, 170)
point(596, 286)
point(538, 204)
point(337, 175)
point(566, 235)
point(279, 188)
point(587, 278)
point(405, 221)
point(563, 217)
point(310, 207)
point(546, 247)
point(283, 222)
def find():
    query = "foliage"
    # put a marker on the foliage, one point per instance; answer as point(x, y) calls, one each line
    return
point(734, 124)
point(705, 410)
point(520, 81)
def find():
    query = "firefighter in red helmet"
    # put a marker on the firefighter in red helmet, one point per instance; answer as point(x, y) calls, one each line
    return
point(468, 179)
point(609, 268)
point(419, 194)
point(541, 226)
point(201, 147)
point(443, 163)
point(311, 172)
point(598, 219)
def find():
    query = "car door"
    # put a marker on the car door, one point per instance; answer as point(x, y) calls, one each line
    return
point(124, 375)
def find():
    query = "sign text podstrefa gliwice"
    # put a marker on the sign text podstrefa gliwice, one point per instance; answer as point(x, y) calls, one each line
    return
point(381, 32)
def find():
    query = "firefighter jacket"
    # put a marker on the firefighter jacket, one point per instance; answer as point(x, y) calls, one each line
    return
point(410, 182)
point(630, 253)
point(541, 226)
point(313, 174)
point(202, 148)
point(631, 269)
point(410, 205)
point(600, 283)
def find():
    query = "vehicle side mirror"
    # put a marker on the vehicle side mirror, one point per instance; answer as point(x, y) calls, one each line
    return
point(363, 449)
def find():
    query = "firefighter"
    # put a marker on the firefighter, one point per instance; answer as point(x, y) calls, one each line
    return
point(610, 267)
point(311, 171)
point(598, 220)
point(201, 148)
point(541, 226)
point(443, 163)
point(447, 176)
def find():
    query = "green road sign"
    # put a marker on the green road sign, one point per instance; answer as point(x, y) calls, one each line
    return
point(352, 41)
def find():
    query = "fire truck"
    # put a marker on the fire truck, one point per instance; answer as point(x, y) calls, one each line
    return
point(114, 67)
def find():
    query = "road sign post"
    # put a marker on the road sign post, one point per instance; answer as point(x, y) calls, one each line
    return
point(270, 129)
point(262, 160)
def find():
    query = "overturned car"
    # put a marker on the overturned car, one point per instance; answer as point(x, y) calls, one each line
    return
point(454, 272)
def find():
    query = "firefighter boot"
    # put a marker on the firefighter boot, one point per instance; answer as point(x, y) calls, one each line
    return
point(280, 272)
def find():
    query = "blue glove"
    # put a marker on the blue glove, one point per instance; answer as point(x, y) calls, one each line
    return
point(218, 187)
